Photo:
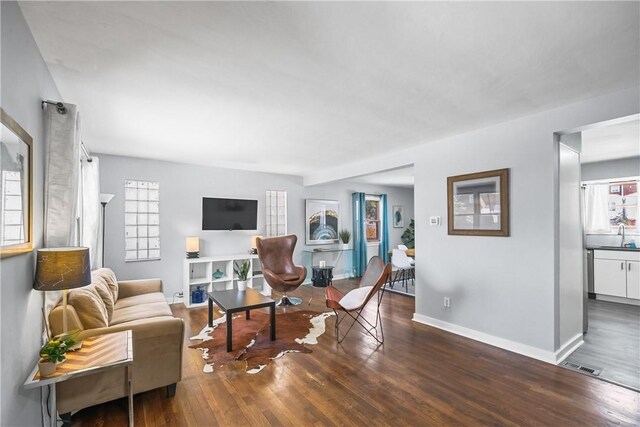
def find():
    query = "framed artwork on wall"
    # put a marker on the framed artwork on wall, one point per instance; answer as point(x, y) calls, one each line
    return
point(322, 221)
point(478, 203)
point(398, 216)
point(16, 186)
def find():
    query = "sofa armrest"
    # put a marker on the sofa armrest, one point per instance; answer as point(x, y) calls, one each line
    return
point(157, 362)
point(129, 288)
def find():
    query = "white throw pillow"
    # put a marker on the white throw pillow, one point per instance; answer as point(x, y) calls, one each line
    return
point(355, 298)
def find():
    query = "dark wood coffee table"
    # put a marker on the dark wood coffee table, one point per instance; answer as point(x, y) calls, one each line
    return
point(234, 301)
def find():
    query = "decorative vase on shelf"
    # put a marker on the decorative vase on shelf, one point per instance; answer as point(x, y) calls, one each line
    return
point(218, 274)
point(242, 285)
point(345, 246)
point(197, 295)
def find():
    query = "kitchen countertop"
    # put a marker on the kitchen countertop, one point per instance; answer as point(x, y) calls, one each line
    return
point(613, 248)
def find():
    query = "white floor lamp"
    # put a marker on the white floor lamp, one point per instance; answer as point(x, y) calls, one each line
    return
point(104, 199)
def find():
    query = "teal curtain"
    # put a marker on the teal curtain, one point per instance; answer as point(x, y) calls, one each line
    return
point(359, 236)
point(384, 239)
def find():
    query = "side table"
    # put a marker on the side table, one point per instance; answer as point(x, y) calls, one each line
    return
point(321, 277)
point(97, 354)
point(233, 301)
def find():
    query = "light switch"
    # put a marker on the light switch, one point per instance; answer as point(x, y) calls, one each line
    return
point(434, 220)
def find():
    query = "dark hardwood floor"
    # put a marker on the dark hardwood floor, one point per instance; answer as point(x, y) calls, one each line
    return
point(612, 342)
point(420, 376)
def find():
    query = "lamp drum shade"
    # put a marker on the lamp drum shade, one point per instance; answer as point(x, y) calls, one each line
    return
point(62, 268)
point(254, 239)
point(193, 244)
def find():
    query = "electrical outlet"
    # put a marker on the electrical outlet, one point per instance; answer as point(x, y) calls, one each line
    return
point(447, 302)
point(180, 295)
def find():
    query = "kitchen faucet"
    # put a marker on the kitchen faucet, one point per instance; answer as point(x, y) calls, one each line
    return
point(621, 228)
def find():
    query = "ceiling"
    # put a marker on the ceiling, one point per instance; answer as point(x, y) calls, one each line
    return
point(401, 177)
point(612, 142)
point(274, 86)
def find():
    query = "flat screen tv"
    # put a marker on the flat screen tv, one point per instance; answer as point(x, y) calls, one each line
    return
point(229, 214)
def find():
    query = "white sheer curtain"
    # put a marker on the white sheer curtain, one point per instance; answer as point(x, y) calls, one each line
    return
point(90, 215)
point(596, 201)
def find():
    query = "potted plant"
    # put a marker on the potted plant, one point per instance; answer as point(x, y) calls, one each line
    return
point(345, 236)
point(408, 237)
point(242, 271)
point(53, 352)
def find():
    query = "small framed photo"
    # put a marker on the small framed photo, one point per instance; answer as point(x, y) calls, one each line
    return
point(398, 216)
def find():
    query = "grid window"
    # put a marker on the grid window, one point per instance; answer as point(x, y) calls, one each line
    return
point(276, 209)
point(12, 202)
point(141, 220)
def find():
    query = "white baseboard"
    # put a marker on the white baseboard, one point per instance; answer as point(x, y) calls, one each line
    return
point(176, 300)
point(569, 347)
point(516, 347)
point(620, 300)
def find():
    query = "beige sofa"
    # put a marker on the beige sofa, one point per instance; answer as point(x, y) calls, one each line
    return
point(106, 306)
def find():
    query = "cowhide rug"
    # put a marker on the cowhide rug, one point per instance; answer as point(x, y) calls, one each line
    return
point(251, 339)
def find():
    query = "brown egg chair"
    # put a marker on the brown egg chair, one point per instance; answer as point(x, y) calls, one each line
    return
point(276, 257)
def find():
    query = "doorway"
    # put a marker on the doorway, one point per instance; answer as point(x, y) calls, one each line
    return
point(608, 162)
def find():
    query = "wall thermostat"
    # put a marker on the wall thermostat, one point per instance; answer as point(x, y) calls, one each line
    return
point(434, 220)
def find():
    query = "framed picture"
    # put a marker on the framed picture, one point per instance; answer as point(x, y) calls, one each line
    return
point(398, 216)
point(322, 221)
point(478, 203)
point(16, 200)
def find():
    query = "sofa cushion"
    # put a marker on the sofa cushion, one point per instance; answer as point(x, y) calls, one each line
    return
point(140, 299)
point(142, 311)
point(89, 307)
point(110, 277)
point(104, 292)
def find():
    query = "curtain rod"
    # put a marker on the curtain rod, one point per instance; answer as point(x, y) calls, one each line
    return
point(85, 152)
point(61, 109)
point(610, 180)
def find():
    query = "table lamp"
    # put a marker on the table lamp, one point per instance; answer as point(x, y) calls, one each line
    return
point(61, 269)
point(254, 245)
point(193, 247)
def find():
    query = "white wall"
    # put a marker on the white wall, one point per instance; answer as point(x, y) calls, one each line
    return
point(504, 288)
point(619, 168)
point(25, 82)
point(181, 190)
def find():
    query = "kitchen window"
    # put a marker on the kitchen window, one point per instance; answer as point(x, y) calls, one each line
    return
point(609, 204)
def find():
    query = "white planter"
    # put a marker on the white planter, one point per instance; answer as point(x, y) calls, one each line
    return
point(242, 285)
point(46, 368)
point(345, 246)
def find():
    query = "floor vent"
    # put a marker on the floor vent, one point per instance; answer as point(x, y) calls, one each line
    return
point(591, 371)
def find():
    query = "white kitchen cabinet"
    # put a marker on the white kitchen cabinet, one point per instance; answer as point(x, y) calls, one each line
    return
point(633, 279)
point(617, 273)
point(610, 277)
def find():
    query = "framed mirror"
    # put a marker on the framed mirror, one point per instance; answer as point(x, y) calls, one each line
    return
point(478, 203)
point(16, 188)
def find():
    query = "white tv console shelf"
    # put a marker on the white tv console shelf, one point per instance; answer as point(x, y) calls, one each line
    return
point(199, 272)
